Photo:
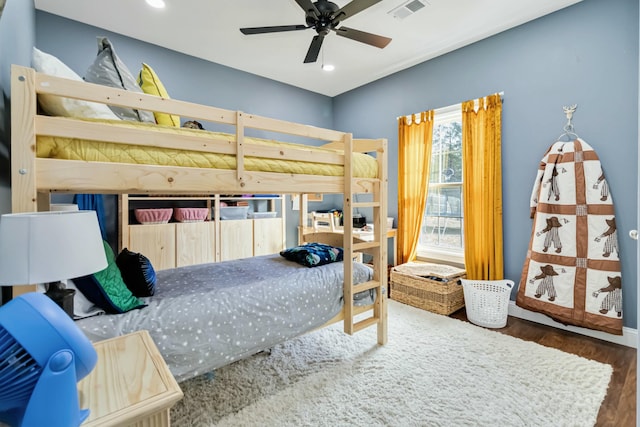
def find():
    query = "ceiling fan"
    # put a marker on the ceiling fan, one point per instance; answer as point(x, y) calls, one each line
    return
point(325, 16)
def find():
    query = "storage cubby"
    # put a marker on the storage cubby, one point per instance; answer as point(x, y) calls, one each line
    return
point(177, 244)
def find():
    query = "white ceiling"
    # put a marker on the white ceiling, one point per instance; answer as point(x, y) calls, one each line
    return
point(209, 29)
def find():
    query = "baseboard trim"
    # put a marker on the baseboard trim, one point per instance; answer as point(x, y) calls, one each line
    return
point(628, 338)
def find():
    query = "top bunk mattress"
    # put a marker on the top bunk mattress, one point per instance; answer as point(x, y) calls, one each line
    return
point(65, 148)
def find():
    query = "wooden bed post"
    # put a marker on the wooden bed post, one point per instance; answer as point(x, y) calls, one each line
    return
point(216, 224)
point(24, 194)
point(123, 222)
point(240, 148)
point(24, 197)
point(303, 205)
point(380, 308)
point(347, 215)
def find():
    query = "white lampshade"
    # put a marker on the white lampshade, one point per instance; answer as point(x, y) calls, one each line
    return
point(42, 247)
point(63, 207)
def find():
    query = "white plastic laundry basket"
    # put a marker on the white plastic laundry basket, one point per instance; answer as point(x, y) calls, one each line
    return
point(487, 301)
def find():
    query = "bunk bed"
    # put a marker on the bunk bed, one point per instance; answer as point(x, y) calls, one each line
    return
point(37, 172)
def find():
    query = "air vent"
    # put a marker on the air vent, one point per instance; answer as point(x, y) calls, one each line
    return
point(407, 8)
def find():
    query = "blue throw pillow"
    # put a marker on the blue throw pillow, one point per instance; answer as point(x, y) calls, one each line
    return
point(313, 254)
point(137, 272)
point(106, 289)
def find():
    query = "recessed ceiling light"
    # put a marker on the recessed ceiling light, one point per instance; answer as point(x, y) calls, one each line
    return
point(158, 4)
point(328, 67)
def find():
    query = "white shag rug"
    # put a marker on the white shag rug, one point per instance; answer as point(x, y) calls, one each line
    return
point(434, 371)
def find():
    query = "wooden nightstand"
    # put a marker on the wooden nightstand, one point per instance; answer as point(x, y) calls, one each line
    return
point(131, 384)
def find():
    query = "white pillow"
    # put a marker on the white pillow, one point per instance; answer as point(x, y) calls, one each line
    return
point(82, 307)
point(66, 107)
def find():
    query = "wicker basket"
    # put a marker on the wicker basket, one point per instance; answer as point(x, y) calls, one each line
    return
point(432, 287)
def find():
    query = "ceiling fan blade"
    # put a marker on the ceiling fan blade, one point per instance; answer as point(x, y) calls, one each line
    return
point(363, 37)
point(274, 29)
point(314, 49)
point(352, 8)
point(308, 7)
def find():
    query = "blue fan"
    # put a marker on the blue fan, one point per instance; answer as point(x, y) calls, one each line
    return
point(42, 356)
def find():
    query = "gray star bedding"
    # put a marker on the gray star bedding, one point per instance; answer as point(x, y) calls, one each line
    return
point(205, 316)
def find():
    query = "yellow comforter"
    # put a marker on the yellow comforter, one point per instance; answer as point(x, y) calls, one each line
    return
point(365, 166)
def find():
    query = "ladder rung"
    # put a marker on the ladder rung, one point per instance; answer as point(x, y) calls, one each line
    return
point(365, 245)
point(370, 321)
point(365, 204)
point(365, 286)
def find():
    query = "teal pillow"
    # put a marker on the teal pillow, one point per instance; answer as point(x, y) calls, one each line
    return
point(313, 254)
point(106, 289)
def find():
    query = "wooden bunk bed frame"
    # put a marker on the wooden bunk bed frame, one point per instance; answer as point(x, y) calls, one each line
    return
point(33, 179)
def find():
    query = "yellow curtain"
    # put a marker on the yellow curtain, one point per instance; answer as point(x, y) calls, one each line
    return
point(482, 188)
point(415, 134)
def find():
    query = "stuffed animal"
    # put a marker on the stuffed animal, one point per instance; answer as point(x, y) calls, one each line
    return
point(192, 124)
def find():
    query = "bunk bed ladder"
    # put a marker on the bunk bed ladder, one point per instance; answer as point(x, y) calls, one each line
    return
point(377, 248)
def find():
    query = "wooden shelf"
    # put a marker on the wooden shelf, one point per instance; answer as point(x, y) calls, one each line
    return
point(366, 236)
point(178, 244)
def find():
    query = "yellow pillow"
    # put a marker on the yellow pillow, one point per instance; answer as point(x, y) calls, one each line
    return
point(151, 84)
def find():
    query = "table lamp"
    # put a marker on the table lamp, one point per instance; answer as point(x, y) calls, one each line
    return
point(47, 247)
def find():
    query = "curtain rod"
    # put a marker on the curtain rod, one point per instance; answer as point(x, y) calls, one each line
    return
point(449, 108)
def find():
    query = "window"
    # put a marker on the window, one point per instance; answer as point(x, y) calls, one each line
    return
point(441, 236)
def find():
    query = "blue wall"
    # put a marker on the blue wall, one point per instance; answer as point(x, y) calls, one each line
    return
point(586, 54)
point(18, 17)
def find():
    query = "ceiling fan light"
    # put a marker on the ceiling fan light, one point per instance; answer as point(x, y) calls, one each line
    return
point(328, 67)
point(158, 4)
point(325, 16)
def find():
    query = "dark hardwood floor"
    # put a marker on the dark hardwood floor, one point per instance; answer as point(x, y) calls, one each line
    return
point(619, 406)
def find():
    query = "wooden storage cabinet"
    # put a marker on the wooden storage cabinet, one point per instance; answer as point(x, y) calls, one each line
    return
point(268, 236)
point(195, 243)
point(180, 244)
point(244, 238)
point(175, 244)
point(236, 239)
point(156, 241)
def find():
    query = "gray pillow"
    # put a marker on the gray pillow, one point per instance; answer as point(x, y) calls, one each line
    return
point(107, 69)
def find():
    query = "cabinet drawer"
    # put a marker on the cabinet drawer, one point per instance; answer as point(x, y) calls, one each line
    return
point(267, 236)
point(236, 239)
point(195, 243)
point(155, 241)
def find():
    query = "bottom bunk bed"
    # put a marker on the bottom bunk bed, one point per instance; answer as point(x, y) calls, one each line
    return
point(205, 316)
